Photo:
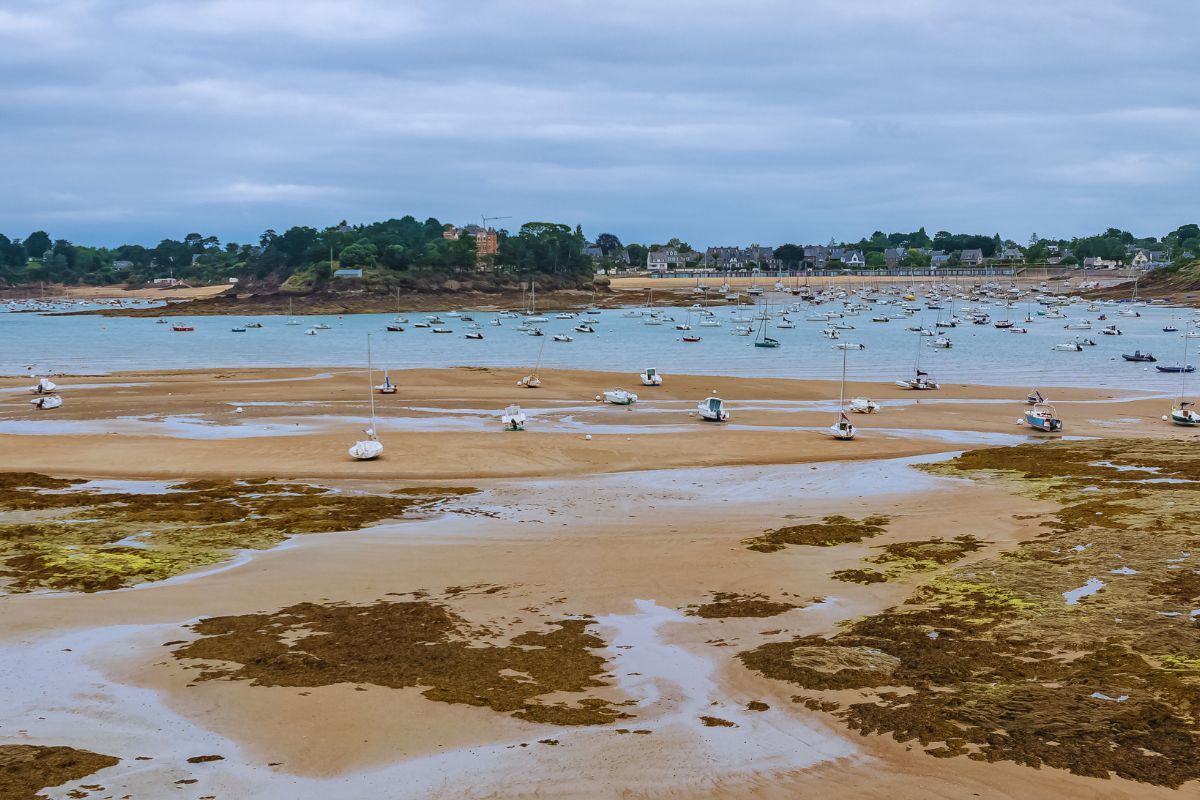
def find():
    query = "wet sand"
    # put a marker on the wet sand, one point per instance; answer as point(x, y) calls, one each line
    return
point(632, 528)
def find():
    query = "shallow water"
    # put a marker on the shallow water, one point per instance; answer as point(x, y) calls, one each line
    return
point(981, 354)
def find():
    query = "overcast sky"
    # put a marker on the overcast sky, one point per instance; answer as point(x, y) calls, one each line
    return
point(720, 123)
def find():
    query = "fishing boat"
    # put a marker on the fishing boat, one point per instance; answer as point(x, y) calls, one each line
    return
point(370, 447)
point(562, 337)
point(1042, 417)
point(387, 387)
point(712, 409)
point(620, 397)
point(46, 402)
point(182, 328)
point(864, 405)
point(474, 335)
point(513, 418)
point(651, 377)
point(842, 428)
point(1068, 347)
point(44, 386)
point(1138, 355)
point(1111, 330)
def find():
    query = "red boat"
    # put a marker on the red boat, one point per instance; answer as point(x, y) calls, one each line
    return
point(182, 328)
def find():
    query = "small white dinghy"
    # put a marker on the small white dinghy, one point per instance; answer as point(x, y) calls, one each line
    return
point(712, 409)
point(47, 401)
point(370, 447)
point(513, 418)
point(651, 377)
point(44, 386)
point(620, 397)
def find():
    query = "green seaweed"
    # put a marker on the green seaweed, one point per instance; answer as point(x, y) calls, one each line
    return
point(829, 532)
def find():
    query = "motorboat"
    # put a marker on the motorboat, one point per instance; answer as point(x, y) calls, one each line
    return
point(47, 401)
point(620, 397)
point(1138, 355)
point(393, 328)
point(864, 405)
point(44, 386)
point(691, 337)
point(1111, 330)
point(441, 330)
point(252, 325)
point(421, 325)
point(651, 377)
point(513, 418)
point(830, 333)
point(943, 342)
point(237, 330)
point(1175, 368)
point(1068, 347)
point(182, 328)
point(535, 332)
point(476, 335)
point(1079, 325)
point(562, 337)
point(321, 326)
point(712, 409)
point(583, 327)
point(850, 346)
point(311, 332)
point(1042, 417)
point(1086, 342)
point(530, 382)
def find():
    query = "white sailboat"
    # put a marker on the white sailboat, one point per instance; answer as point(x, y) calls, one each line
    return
point(370, 447)
point(532, 381)
point(387, 387)
point(1183, 412)
point(843, 428)
point(291, 320)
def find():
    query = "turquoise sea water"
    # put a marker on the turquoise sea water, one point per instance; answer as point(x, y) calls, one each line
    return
point(981, 354)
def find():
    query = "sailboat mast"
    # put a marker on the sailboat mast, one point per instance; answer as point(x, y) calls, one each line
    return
point(842, 391)
point(1183, 374)
point(370, 386)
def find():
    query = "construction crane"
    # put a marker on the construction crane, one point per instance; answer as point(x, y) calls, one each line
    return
point(486, 220)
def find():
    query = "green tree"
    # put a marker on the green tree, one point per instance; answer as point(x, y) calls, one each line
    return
point(36, 244)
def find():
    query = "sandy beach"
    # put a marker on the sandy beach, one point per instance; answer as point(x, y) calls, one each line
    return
point(644, 534)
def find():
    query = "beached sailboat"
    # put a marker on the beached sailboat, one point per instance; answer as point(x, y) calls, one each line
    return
point(370, 447)
point(532, 381)
point(843, 428)
point(920, 380)
point(1183, 411)
point(387, 387)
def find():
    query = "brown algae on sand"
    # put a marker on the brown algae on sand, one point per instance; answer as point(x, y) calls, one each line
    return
point(419, 643)
point(902, 559)
point(725, 605)
point(61, 534)
point(25, 769)
point(829, 532)
point(1003, 660)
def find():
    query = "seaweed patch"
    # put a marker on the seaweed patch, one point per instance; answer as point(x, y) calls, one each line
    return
point(25, 769)
point(421, 643)
point(1002, 660)
point(829, 532)
point(61, 534)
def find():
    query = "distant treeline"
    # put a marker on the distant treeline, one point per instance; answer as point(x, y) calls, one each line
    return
point(413, 254)
point(406, 251)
